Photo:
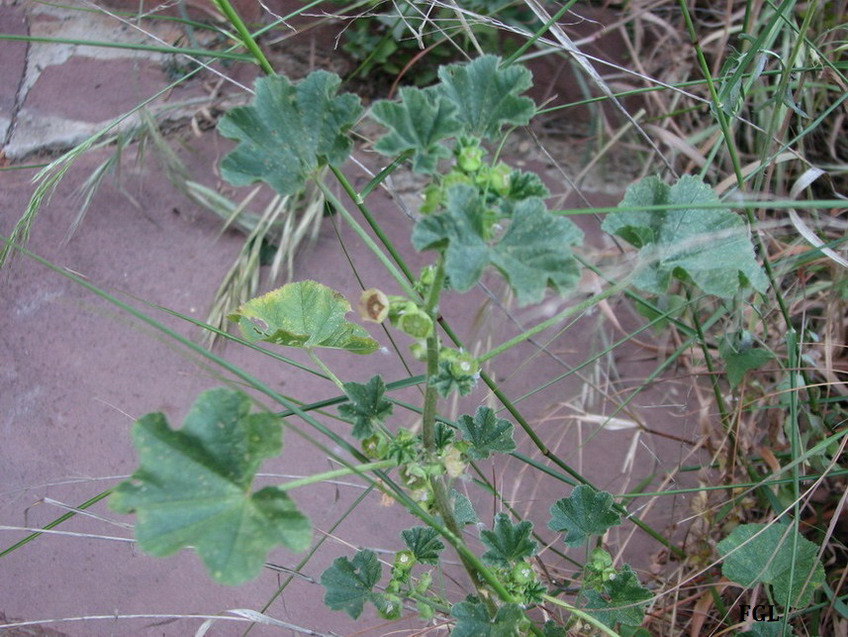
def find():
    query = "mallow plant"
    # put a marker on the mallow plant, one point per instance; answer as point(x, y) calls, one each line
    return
point(193, 487)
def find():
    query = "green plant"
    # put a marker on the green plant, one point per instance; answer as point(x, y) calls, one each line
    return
point(478, 214)
point(697, 276)
point(398, 39)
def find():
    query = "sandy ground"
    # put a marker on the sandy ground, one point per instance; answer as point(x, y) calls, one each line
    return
point(76, 371)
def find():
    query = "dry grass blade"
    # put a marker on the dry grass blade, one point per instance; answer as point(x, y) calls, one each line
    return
point(286, 223)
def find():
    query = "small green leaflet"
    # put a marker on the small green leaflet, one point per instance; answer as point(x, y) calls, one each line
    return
point(508, 543)
point(367, 407)
point(289, 131)
point(487, 433)
point(303, 314)
point(622, 601)
point(487, 97)
point(764, 629)
point(585, 512)
point(447, 380)
point(193, 488)
point(711, 246)
point(349, 583)
point(473, 620)
point(768, 553)
point(418, 122)
point(463, 511)
point(444, 435)
point(740, 358)
point(424, 543)
point(532, 253)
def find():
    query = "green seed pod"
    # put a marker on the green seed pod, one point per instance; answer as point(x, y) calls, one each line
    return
point(413, 476)
point(390, 607)
point(419, 351)
point(404, 561)
point(470, 158)
point(464, 364)
point(433, 198)
point(522, 573)
point(417, 324)
point(425, 611)
point(374, 446)
point(424, 582)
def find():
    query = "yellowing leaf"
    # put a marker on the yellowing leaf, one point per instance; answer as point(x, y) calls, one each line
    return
point(303, 314)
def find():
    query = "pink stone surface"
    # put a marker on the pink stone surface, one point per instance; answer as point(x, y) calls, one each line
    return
point(12, 63)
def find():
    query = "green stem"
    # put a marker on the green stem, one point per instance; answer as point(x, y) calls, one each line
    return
point(337, 473)
point(312, 355)
point(402, 280)
point(174, 50)
point(718, 108)
point(586, 617)
point(378, 178)
point(244, 35)
point(566, 313)
point(532, 40)
point(428, 434)
point(62, 518)
point(384, 239)
point(428, 418)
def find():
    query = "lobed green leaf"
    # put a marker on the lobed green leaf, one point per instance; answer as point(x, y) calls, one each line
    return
point(193, 488)
point(289, 131)
point(367, 407)
point(622, 600)
point(508, 543)
point(349, 583)
point(487, 97)
point(473, 620)
point(532, 254)
point(424, 543)
point(709, 246)
point(421, 120)
point(487, 433)
point(774, 554)
point(585, 512)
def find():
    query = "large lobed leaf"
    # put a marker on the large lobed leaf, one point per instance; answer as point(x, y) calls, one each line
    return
point(193, 488)
point(709, 246)
point(289, 131)
point(532, 254)
point(774, 554)
point(303, 314)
